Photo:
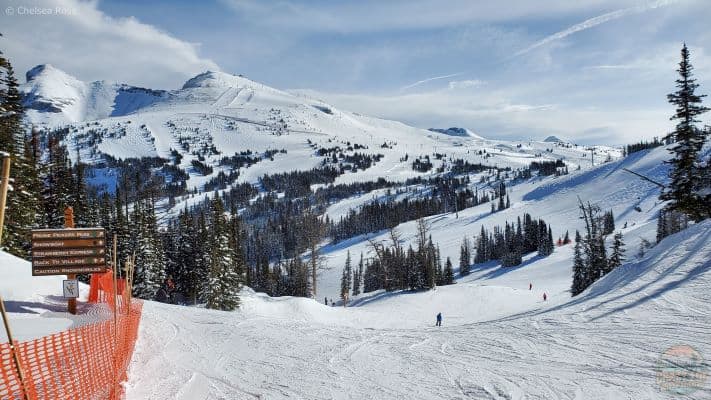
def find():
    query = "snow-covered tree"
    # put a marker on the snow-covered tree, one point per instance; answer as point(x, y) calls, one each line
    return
point(222, 286)
point(150, 262)
point(23, 200)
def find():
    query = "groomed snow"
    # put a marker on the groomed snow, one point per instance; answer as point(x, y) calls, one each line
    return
point(604, 344)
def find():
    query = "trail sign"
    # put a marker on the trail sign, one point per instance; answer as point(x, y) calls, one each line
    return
point(68, 251)
point(71, 288)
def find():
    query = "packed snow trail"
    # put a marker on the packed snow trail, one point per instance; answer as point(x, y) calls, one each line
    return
point(604, 344)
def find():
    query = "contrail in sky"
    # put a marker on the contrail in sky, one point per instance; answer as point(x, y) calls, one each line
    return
point(595, 21)
point(429, 80)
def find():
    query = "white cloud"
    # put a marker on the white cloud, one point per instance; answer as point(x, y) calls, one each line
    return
point(499, 114)
point(595, 21)
point(434, 78)
point(79, 38)
point(377, 15)
point(465, 84)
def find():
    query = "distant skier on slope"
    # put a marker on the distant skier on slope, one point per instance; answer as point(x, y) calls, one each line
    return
point(530, 286)
point(325, 300)
point(439, 319)
point(545, 296)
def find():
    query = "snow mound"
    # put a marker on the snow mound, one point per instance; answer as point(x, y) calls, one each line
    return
point(553, 139)
point(17, 282)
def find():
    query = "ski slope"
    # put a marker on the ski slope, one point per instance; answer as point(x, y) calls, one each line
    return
point(604, 344)
point(555, 199)
point(499, 339)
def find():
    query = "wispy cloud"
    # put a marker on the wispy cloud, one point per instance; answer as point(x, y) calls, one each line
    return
point(465, 84)
point(412, 85)
point(595, 21)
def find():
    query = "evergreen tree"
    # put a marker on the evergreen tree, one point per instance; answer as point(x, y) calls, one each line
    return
point(580, 270)
point(464, 258)
point(23, 200)
point(346, 279)
point(188, 275)
point(221, 289)
point(685, 190)
point(448, 274)
point(608, 223)
point(618, 251)
point(358, 277)
point(150, 263)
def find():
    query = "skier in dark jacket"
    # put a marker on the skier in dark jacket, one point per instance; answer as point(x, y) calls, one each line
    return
point(439, 319)
point(166, 292)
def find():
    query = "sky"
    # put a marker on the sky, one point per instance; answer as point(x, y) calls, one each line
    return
point(594, 71)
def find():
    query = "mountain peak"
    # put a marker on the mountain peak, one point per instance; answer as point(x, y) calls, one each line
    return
point(215, 79)
point(47, 71)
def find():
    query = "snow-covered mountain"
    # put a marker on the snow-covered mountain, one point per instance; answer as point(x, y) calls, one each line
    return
point(215, 115)
point(54, 97)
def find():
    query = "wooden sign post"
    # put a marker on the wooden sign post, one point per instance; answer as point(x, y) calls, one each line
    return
point(3, 191)
point(69, 223)
point(68, 252)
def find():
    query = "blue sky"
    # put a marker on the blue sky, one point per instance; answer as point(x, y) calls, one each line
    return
point(594, 71)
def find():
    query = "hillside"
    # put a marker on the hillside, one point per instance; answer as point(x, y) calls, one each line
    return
point(604, 344)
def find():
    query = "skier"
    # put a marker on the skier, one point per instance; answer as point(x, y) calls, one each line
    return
point(545, 296)
point(165, 293)
point(530, 286)
point(439, 319)
point(325, 300)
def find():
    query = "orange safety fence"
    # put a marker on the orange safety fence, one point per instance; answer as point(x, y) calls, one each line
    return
point(101, 288)
point(88, 362)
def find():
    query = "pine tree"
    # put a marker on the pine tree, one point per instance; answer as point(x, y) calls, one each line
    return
point(608, 223)
point(358, 277)
point(685, 190)
point(346, 280)
point(580, 270)
point(464, 258)
point(618, 251)
point(150, 262)
point(23, 200)
point(221, 289)
point(448, 274)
